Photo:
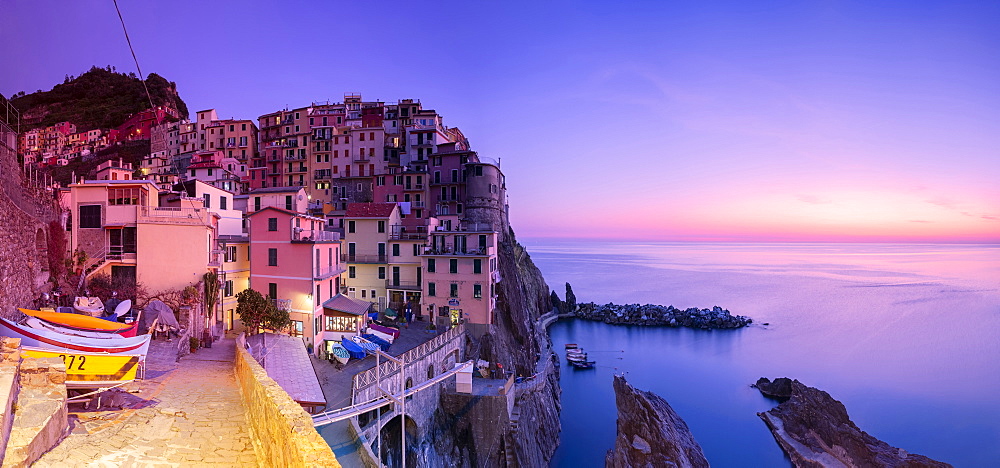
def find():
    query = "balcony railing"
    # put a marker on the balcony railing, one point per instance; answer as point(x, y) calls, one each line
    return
point(322, 174)
point(449, 250)
point(171, 215)
point(465, 227)
point(400, 232)
point(406, 285)
point(283, 304)
point(328, 271)
point(293, 157)
point(364, 258)
point(314, 235)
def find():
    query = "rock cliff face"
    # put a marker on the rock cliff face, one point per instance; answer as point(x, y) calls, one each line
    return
point(815, 431)
point(650, 433)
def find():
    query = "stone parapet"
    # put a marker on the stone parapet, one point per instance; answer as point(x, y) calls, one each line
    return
point(282, 432)
point(10, 363)
point(40, 422)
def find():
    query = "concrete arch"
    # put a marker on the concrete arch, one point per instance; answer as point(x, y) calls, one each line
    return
point(391, 434)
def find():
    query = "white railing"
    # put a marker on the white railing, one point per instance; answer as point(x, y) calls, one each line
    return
point(173, 215)
point(368, 377)
point(328, 271)
point(314, 235)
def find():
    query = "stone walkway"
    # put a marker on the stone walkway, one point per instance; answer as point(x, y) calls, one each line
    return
point(185, 413)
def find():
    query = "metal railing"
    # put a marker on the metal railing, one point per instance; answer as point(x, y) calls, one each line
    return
point(365, 258)
point(327, 271)
point(314, 235)
point(368, 377)
point(173, 215)
point(407, 285)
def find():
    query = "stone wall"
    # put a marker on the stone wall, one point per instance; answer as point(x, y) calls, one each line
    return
point(10, 364)
point(281, 431)
point(41, 420)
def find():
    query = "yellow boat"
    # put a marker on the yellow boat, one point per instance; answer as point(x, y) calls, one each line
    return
point(91, 370)
point(78, 321)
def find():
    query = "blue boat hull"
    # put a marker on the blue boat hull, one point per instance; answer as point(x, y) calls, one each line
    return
point(353, 349)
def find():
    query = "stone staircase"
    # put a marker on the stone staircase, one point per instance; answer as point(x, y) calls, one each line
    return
point(508, 438)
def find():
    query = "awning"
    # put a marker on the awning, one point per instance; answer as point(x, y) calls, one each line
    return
point(346, 305)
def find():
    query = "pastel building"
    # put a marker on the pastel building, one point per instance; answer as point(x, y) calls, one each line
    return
point(460, 274)
point(126, 232)
point(366, 249)
point(217, 201)
point(295, 262)
point(234, 275)
point(287, 198)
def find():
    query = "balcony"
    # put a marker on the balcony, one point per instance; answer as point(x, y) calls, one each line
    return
point(414, 187)
point(322, 174)
point(400, 232)
point(404, 285)
point(293, 157)
point(314, 235)
point(465, 227)
point(364, 258)
point(273, 172)
point(297, 169)
point(283, 304)
point(418, 204)
point(327, 271)
point(361, 158)
point(170, 215)
point(450, 250)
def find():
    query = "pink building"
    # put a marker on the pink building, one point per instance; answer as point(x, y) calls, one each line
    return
point(139, 126)
point(295, 262)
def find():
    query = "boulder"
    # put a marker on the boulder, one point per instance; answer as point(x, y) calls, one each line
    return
point(780, 389)
point(815, 431)
point(650, 433)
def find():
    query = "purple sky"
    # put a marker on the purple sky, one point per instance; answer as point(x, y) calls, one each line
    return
point(648, 120)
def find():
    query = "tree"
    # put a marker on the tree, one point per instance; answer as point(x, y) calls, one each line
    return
point(277, 319)
point(253, 308)
point(211, 282)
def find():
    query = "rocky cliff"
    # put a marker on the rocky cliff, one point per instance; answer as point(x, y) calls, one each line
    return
point(815, 431)
point(650, 433)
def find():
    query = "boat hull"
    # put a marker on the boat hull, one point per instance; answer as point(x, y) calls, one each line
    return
point(51, 340)
point(353, 349)
point(78, 321)
point(368, 346)
point(92, 370)
point(341, 354)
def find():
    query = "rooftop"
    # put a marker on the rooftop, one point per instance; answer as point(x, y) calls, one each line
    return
point(347, 305)
point(369, 210)
point(277, 189)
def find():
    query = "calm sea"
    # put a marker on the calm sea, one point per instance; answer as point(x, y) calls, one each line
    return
point(906, 336)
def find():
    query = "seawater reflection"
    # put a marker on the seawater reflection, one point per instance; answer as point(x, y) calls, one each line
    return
point(906, 336)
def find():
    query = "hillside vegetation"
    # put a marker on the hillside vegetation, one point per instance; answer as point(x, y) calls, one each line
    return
point(99, 98)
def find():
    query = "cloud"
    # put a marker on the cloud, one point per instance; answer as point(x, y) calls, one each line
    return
point(813, 199)
point(991, 218)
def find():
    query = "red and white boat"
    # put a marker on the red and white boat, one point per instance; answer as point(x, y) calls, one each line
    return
point(49, 339)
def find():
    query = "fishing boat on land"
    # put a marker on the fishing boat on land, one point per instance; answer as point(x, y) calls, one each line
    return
point(381, 333)
point(89, 305)
point(92, 370)
point(368, 346)
point(340, 354)
point(356, 351)
point(384, 345)
point(77, 321)
point(583, 364)
point(33, 322)
point(383, 328)
point(51, 340)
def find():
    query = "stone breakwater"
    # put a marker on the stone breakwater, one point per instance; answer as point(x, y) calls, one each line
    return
point(658, 315)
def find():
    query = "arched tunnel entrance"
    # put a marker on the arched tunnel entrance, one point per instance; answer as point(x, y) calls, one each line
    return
point(391, 440)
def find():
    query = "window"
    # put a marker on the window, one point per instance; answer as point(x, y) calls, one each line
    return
point(296, 328)
point(479, 170)
point(363, 292)
point(351, 272)
point(90, 216)
point(231, 254)
point(430, 265)
point(223, 203)
point(453, 265)
point(256, 203)
point(272, 257)
point(454, 175)
point(431, 289)
point(272, 224)
point(228, 288)
point(381, 272)
point(350, 227)
point(477, 266)
point(339, 324)
point(272, 290)
point(477, 291)
point(454, 290)
point(208, 199)
point(395, 250)
point(288, 202)
point(381, 226)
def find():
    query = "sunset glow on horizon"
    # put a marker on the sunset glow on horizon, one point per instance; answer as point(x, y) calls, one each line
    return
point(830, 122)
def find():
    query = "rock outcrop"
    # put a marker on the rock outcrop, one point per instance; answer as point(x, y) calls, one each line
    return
point(815, 431)
point(658, 315)
point(650, 433)
point(780, 389)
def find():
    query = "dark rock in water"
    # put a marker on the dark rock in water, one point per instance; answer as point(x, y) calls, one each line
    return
point(650, 433)
point(780, 389)
point(570, 299)
point(657, 315)
point(815, 431)
point(558, 304)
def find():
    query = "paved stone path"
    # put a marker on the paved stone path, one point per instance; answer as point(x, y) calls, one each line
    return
point(185, 413)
